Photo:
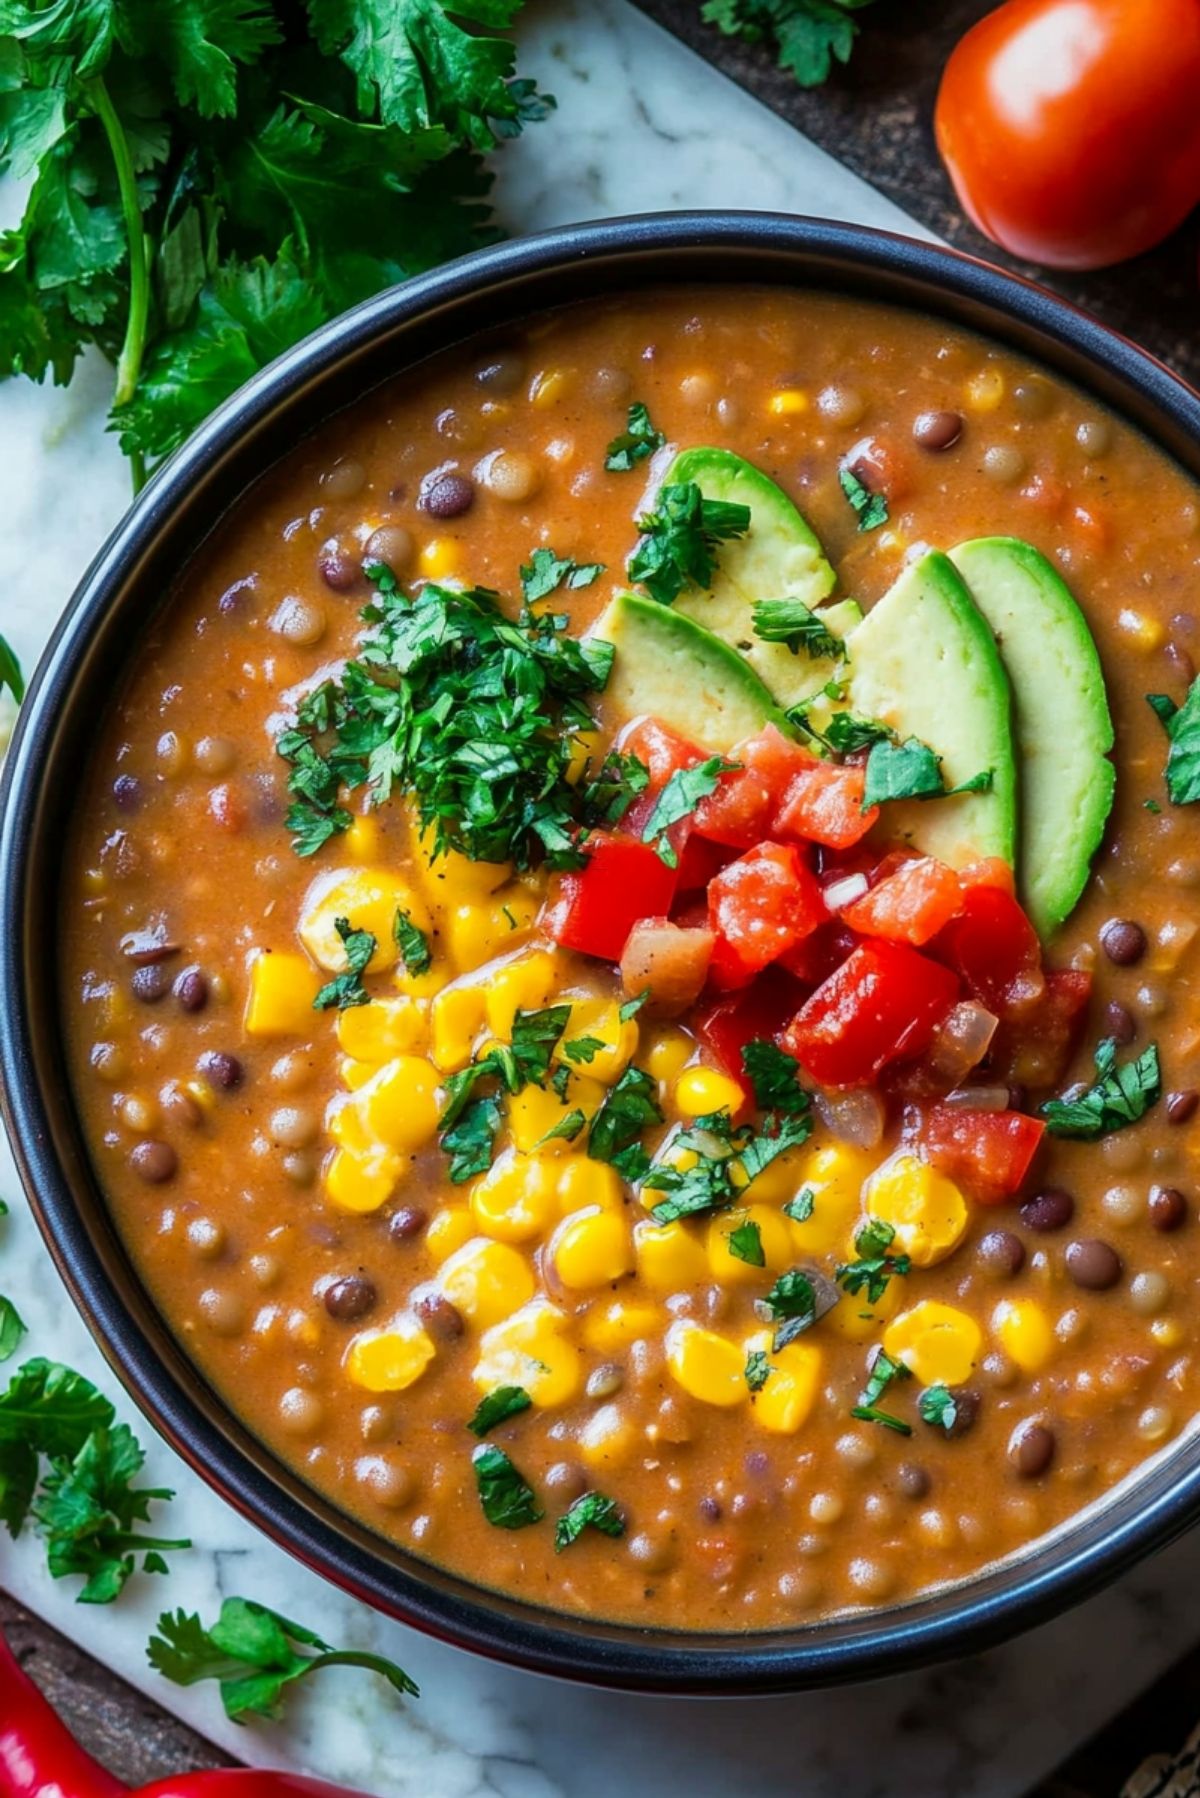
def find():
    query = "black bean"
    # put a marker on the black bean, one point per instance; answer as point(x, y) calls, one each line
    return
point(1119, 1022)
point(153, 1162)
point(191, 989)
point(337, 569)
point(1123, 941)
point(966, 1409)
point(409, 1221)
point(1001, 1253)
point(1031, 1449)
point(710, 1509)
point(938, 430)
point(447, 495)
point(439, 1316)
point(1181, 1106)
point(1048, 1210)
point(127, 792)
point(567, 1479)
point(225, 1071)
point(1093, 1264)
point(351, 1297)
point(913, 1479)
point(1168, 1208)
point(150, 983)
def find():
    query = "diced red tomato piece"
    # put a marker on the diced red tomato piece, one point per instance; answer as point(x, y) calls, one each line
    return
point(759, 907)
point(824, 804)
point(664, 754)
point(699, 861)
point(740, 810)
point(989, 871)
point(910, 904)
point(597, 906)
point(882, 1005)
point(988, 1151)
point(1034, 1050)
point(814, 960)
point(670, 961)
point(758, 1011)
point(994, 949)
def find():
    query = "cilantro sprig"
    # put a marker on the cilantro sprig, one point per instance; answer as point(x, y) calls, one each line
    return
point(679, 540)
point(507, 1499)
point(347, 989)
point(637, 442)
point(1120, 1095)
point(1182, 725)
point(791, 622)
point(590, 1511)
point(871, 509)
point(882, 1374)
point(911, 770)
point(874, 1264)
point(807, 36)
point(497, 1407)
point(679, 799)
point(545, 573)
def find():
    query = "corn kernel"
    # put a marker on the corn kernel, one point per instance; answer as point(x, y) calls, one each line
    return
point(937, 1343)
point(856, 1318)
point(419, 986)
point(362, 1180)
point(774, 1240)
point(536, 1110)
point(607, 1439)
point(1024, 1332)
point(455, 1020)
point(1146, 633)
point(450, 877)
point(367, 898)
point(582, 1181)
point(282, 990)
point(486, 1281)
point(926, 1209)
point(400, 1106)
point(779, 1181)
point(788, 402)
point(363, 842)
point(549, 386)
point(355, 1074)
point(201, 1091)
point(438, 559)
point(701, 1090)
point(529, 1350)
point(985, 390)
point(706, 1365)
point(517, 1199)
point(1167, 1332)
point(785, 1402)
point(591, 1248)
point(523, 984)
point(601, 1020)
point(835, 1176)
point(389, 1360)
point(666, 1056)
point(383, 1029)
point(616, 1325)
point(474, 933)
point(585, 745)
point(448, 1230)
point(669, 1258)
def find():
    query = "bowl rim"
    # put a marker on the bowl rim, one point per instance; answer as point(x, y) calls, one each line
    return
point(1055, 1572)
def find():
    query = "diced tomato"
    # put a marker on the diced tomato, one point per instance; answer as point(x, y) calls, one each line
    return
point(994, 949)
point(761, 1010)
point(1034, 1050)
point(699, 861)
point(814, 960)
point(910, 904)
point(989, 1151)
point(883, 1004)
point(664, 754)
point(989, 871)
point(597, 906)
point(669, 961)
point(759, 907)
point(740, 811)
point(824, 804)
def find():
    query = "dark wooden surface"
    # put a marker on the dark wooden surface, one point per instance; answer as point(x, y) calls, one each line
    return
point(876, 118)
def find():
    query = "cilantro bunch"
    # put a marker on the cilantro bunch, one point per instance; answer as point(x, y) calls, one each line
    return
point(807, 36)
point(213, 179)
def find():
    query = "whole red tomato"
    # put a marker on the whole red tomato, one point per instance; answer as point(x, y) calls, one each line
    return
point(1071, 128)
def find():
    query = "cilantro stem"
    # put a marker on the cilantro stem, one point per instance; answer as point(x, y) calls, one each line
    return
point(129, 363)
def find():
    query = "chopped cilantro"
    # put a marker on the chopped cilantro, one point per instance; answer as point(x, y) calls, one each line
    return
point(871, 509)
point(583, 1049)
point(709, 1185)
point(757, 1370)
point(567, 1128)
point(1182, 725)
point(1119, 1096)
point(346, 990)
point(773, 1074)
point(559, 1080)
point(546, 573)
point(938, 1408)
point(792, 1304)
point(911, 770)
point(606, 798)
point(631, 1007)
point(882, 1373)
point(629, 1107)
point(10, 666)
point(790, 621)
point(1152, 805)
point(590, 1511)
point(846, 734)
point(497, 1407)
point(535, 1035)
point(637, 441)
point(745, 1244)
point(676, 548)
point(508, 1501)
point(679, 799)
point(800, 1208)
point(779, 1134)
point(412, 943)
point(470, 1141)
point(875, 1265)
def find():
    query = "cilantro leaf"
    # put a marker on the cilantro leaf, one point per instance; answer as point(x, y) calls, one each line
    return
point(346, 990)
point(566, 1129)
point(679, 539)
point(883, 1372)
point(589, 1511)
point(535, 1035)
point(508, 1502)
point(871, 509)
point(757, 1370)
point(11, 1329)
point(470, 1142)
point(774, 1075)
point(637, 441)
point(255, 1655)
point(1120, 1096)
point(497, 1407)
point(874, 1265)
point(546, 573)
point(679, 799)
point(791, 622)
point(87, 1511)
point(608, 795)
point(1182, 725)
point(583, 1049)
point(412, 943)
point(200, 44)
point(10, 671)
point(745, 1244)
point(846, 735)
point(629, 1108)
point(807, 36)
point(631, 1007)
point(911, 770)
point(937, 1407)
point(792, 1303)
point(800, 1208)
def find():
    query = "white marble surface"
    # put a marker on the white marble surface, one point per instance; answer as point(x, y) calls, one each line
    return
point(642, 125)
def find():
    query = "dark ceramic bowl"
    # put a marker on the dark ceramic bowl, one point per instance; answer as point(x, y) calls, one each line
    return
point(87, 657)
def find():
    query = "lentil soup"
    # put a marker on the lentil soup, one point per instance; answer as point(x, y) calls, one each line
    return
point(569, 1069)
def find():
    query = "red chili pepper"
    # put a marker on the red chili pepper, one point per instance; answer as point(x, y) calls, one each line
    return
point(39, 1758)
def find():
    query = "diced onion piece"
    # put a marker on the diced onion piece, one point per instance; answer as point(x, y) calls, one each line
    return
point(961, 1043)
point(980, 1098)
point(841, 893)
point(855, 1116)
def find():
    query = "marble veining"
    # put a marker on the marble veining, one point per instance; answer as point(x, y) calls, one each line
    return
point(642, 125)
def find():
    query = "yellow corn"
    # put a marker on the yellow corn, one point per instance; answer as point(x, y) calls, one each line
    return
point(665, 1057)
point(282, 990)
point(785, 1402)
point(368, 898)
point(615, 1325)
point(584, 746)
point(1167, 1332)
point(607, 1439)
point(924, 1207)
point(669, 1258)
point(455, 1019)
point(582, 1181)
point(774, 1239)
point(985, 390)
point(363, 842)
point(529, 1350)
point(706, 1365)
point(601, 1020)
point(383, 1029)
point(419, 986)
point(936, 1342)
point(390, 1360)
point(1143, 631)
point(450, 877)
point(439, 559)
point(1025, 1333)
point(355, 1073)
point(549, 386)
point(474, 933)
point(401, 1106)
point(448, 1230)
point(855, 1317)
point(517, 1199)
point(701, 1090)
point(362, 1179)
point(835, 1176)
point(591, 1248)
point(523, 984)
point(486, 1281)
point(537, 1109)
point(788, 402)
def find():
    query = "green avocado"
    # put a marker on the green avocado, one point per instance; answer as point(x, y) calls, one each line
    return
point(924, 662)
point(1062, 722)
point(668, 667)
point(779, 557)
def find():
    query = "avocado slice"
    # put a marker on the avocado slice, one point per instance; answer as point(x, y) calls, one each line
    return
point(924, 662)
point(779, 557)
point(672, 669)
point(1062, 722)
